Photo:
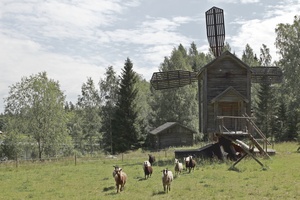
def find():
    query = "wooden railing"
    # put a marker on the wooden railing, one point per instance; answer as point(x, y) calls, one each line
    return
point(244, 125)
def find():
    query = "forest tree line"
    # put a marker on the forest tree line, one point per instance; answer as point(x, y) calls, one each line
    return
point(116, 113)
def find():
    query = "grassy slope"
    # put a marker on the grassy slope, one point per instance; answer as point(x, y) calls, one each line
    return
point(92, 178)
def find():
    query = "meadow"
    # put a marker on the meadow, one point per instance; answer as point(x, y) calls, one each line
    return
point(91, 178)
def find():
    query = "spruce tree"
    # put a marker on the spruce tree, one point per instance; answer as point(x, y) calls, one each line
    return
point(266, 102)
point(124, 123)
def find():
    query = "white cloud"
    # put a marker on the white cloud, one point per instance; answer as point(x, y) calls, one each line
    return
point(75, 39)
point(249, 1)
point(20, 58)
point(256, 32)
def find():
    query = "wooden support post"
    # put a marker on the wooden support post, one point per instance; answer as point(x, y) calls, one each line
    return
point(236, 162)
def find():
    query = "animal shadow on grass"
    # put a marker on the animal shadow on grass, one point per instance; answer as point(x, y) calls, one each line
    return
point(158, 193)
point(109, 188)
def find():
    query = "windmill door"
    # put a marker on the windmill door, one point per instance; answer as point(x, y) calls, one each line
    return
point(230, 109)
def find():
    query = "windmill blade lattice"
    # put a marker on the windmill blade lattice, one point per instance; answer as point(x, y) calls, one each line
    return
point(215, 29)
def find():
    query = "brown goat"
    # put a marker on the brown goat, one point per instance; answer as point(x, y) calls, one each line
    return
point(151, 159)
point(147, 169)
point(120, 179)
point(191, 164)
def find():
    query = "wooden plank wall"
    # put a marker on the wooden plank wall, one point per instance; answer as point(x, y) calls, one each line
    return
point(215, 80)
point(175, 136)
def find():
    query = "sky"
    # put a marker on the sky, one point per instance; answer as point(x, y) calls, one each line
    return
point(73, 40)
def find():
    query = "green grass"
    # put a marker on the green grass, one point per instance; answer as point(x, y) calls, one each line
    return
point(91, 178)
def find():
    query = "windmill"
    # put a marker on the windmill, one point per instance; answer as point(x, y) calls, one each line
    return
point(224, 85)
point(216, 35)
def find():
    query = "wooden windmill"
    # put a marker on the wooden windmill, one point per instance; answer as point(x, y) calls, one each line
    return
point(224, 84)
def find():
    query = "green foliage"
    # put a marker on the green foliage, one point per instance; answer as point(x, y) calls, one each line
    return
point(89, 116)
point(287, 43)
point(178, 104)
point(249, 57)
point(36, 108)
point(109, 87)
point(266, 101)
point(124, 122)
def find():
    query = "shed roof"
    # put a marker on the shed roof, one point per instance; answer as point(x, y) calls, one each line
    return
point(166, 126)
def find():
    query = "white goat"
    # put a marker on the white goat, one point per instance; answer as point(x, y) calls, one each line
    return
point(178, 167)
point(167, 178)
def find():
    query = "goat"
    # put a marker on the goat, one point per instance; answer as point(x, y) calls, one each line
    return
point(190, 164)
point(178, 167)
point(116, 169)
point(151, 159)
point(187, 160)
point(167, 178)
point(120, 179)
point(147, 169)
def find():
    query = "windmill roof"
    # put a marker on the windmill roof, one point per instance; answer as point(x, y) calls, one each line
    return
point(224, 55)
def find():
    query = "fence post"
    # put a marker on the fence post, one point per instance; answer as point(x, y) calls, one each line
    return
point(16, 160)
point(75, 159)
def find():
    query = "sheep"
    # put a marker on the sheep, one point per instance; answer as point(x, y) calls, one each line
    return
point(151, 159)
point(190, 163)
point(120, 179)
point(178, 167)
point(147, 169)
point(116, 169)
point(167, 178)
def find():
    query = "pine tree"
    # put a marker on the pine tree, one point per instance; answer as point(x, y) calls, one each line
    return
point(124, 123)
point(266, 102)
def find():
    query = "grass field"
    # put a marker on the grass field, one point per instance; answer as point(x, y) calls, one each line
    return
point(91, 178)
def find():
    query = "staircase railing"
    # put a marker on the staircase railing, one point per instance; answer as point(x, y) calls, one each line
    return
point(249, 126)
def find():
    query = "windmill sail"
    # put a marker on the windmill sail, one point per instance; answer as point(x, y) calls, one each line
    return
point(172, 79)
point(264, 74)
point(215, 29)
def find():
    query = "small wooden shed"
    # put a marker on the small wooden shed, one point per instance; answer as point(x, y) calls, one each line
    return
point(172, 134)
point(224, 90)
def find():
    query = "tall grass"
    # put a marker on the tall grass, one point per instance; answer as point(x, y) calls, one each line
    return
point(91, 178)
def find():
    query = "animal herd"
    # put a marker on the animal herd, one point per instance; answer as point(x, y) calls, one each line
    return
point(167, 175)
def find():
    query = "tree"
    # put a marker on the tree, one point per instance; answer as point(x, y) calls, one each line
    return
point(251, 60)
point(198, 60)
point(287, 43)
point(266, 102)
point(89, 109)
point(249, 57)
point(124, 122)
point(143, 100)
point(177, 104)
point(36, 109)
point(109, 95)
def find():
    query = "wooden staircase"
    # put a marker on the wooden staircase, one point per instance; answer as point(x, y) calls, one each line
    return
point(247, 133)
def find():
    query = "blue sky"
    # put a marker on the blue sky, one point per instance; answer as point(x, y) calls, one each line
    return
point(75, 39)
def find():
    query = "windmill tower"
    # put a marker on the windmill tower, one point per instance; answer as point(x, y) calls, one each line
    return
point(224, 84)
